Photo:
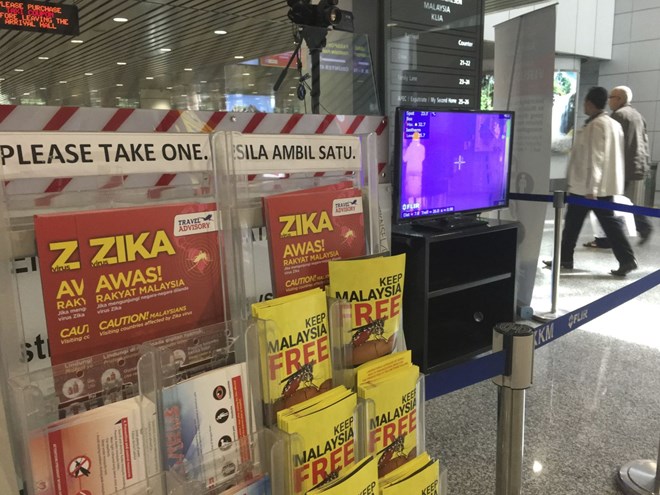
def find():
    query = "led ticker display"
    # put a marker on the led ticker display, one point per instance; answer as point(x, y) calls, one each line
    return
point(39, 17)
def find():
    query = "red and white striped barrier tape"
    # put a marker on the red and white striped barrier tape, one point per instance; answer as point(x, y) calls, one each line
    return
point(38, 118)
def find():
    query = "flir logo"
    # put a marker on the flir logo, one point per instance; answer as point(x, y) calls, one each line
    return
point(346, 206)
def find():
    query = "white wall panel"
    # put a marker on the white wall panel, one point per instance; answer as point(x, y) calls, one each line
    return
point(644, 85)
point(520, 11)
point(645, 55)
point(620, 62)
point(623, 6)
point(584, 27)
point(644, 4)
point(649, 110)
point(603, 35)
point(614, 80)
point(493, 20)
point(567, 26)
point(645, 24)
point(586, 32)
point(622, 24)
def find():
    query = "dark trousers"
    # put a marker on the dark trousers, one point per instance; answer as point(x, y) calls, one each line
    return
point(635, 190)
point(643, 225)
point(613, 226)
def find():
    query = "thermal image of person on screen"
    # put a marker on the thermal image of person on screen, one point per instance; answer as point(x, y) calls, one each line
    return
point(414, 159)
point(489, 140)
point(490, 134)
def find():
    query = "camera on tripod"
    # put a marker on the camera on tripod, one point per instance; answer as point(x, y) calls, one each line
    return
point(325, 14)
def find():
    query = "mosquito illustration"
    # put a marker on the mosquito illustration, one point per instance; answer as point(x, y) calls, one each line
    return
point(348, 236)
point(80, 469)
point(304, 374)
point(362, 333)
point(201, 257)
point(331, 477)
point(395, 448)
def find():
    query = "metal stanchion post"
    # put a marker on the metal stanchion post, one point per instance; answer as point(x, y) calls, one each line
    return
point(641, 477)
point(558, 202)
point(518, 342)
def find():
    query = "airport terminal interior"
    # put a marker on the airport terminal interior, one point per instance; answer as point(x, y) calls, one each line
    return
point(595, 400)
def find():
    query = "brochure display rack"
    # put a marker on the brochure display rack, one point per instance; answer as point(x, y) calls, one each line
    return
point(128, 301)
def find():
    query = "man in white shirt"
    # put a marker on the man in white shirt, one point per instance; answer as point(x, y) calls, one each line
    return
point(596, 171)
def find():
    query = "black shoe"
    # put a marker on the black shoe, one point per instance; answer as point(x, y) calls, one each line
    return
point(644, 238)
point(624, 269)
point(567, 265)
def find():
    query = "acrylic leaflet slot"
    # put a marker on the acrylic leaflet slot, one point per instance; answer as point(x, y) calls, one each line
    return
point(105, 434)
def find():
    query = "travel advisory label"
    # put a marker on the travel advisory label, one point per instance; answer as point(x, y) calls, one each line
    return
point(114, 278)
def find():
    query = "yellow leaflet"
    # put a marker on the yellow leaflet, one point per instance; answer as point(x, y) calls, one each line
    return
point(374, 289)
point(392, 418)
point(256, 307)
point(311, 406)
point(294, 348)
point(323, 445)
point(406, 470)
point(381, 367)
point(361, 479)
point(426, 481)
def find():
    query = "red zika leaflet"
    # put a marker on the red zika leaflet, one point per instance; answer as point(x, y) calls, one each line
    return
point(119, 277)
point(308, 228)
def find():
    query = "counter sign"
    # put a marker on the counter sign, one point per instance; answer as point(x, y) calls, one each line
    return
point(39, 16)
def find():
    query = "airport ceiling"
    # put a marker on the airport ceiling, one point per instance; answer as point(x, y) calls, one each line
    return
point(163, 46)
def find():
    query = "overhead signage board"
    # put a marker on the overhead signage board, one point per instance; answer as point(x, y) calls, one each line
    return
point(445, 14)
point(433, 53)
point(39, 17)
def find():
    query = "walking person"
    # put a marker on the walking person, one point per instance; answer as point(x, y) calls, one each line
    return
point(635, 152)
point(596, 171)
point(636, 158)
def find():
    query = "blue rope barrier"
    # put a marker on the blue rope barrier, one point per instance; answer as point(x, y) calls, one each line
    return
point(465, 374)
point(608, 205)
point(565, 324)
point(491, 365)
point(590, 203)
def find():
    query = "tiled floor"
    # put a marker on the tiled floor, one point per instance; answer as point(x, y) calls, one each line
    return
point(595, 402)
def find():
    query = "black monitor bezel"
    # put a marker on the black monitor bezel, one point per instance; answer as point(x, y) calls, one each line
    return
point(398, 167)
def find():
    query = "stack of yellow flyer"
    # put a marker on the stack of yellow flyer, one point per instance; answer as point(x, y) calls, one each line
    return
point(374, 289)
point(421, 476)
point(294, 349)
point(375, 370)
point(322, 438)
point(361, 479)
point(389, 387)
